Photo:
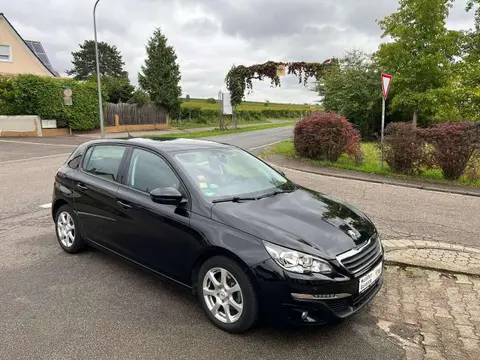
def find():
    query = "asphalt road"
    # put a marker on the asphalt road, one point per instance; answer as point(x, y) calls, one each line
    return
point(93, 306)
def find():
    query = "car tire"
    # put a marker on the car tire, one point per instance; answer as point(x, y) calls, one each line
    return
point(68, 231)
point(232, 304)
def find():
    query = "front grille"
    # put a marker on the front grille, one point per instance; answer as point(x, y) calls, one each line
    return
point(356, 261)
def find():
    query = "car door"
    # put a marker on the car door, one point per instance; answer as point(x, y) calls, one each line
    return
point(96, 186)
point(155, 235)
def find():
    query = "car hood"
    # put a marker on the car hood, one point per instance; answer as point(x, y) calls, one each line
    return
point(303, 220)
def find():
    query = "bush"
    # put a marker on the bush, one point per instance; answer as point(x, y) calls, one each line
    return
point(472, 172)
point(211, 101)
point(42, 96)
point(454, 145)
point(404, 148)
point(326, 136)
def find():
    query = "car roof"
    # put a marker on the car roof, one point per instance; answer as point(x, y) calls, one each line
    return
point(167, 145)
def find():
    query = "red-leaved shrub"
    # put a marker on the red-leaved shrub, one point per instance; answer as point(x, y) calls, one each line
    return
point(454, 144)
point(326, 136)
point(472, 172)
point(404, 148)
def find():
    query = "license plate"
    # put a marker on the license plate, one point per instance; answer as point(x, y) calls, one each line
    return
point(367, 280)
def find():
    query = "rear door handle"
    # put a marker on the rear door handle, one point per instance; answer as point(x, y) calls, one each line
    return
point(81, 186)
point(124, 205)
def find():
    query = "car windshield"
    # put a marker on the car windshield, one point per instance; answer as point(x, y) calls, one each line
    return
point(230, 172)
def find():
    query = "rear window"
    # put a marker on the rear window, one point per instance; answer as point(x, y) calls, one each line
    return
point(104, 161)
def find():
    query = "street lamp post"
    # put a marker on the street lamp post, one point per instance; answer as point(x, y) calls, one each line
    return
point(99, 85)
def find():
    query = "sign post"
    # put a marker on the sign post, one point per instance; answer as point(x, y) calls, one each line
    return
point(386, 80)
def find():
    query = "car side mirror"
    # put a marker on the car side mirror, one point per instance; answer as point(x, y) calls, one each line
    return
point(166, 196)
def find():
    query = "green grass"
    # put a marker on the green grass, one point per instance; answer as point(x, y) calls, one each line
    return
point(249, 105)
point(200, 134)
point(371, 164)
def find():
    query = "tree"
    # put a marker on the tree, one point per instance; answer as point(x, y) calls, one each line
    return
point(459, 100)
point(140, 97)
point(187, 98)
point(117, 89)
point(352, 88)
point(110, 59)
point(421, 54)
point(160, 75)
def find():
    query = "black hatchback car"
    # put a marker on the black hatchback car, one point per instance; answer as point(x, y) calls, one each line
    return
point(222, 223)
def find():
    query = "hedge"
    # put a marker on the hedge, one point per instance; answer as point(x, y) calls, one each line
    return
point(42, 96)
point(202, 115)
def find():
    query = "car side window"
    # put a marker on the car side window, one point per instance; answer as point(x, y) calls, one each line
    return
point(104, 161)
point(148, 172)
point(74, 162)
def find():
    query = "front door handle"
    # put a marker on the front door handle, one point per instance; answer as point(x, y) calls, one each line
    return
point(81, 186)
point(124, 205)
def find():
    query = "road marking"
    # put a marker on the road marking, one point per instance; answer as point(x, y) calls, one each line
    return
point(33, 158)
point(35, 143)
point(259, 147)
point(46, 206)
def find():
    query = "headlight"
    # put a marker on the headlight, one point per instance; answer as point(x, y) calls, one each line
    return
point(296, 261)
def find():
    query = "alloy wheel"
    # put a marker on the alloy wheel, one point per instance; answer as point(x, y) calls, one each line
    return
point(66, 229)
point(223, 295)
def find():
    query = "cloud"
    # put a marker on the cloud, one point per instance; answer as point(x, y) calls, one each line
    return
point(211, 35)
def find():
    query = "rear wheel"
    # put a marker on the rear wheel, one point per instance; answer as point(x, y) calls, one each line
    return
point(227, 295)
point(67, 230)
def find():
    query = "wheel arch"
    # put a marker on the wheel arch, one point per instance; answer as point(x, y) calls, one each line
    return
point(57, 205)
point(218, 251)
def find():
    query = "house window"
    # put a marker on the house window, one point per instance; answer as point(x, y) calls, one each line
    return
point(5, 53)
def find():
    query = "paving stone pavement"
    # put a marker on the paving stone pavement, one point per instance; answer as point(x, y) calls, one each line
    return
point(433, 315)
point(434, 255)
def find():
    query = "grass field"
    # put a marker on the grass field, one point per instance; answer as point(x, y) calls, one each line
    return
point(213, 123)
point(371, 164)
point(208, 133)
point(248, 105)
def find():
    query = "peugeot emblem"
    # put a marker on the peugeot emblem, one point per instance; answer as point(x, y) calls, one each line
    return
point(352, 234)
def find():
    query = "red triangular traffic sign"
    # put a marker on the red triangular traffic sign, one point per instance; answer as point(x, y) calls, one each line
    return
point(386, 81)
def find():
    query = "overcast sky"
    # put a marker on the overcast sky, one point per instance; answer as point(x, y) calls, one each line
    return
point(211, 35)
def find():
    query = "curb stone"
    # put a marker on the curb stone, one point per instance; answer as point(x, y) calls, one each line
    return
point(433, 255)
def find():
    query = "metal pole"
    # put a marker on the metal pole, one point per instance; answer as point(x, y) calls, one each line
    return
point(383, 128)
point(99, 84)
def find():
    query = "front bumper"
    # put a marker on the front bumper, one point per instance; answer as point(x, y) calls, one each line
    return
point(276, 287)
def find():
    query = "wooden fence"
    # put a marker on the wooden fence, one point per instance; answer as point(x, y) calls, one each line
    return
point(133, 114)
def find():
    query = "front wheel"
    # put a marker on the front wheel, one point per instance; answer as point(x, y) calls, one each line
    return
point(227, 295)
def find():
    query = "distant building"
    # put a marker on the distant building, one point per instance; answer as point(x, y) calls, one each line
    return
point(19, 56)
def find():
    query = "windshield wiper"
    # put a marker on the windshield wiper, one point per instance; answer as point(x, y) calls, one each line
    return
point(234, 199)
point(276, 192)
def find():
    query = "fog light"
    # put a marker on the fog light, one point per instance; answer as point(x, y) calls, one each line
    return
point(307, 318)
